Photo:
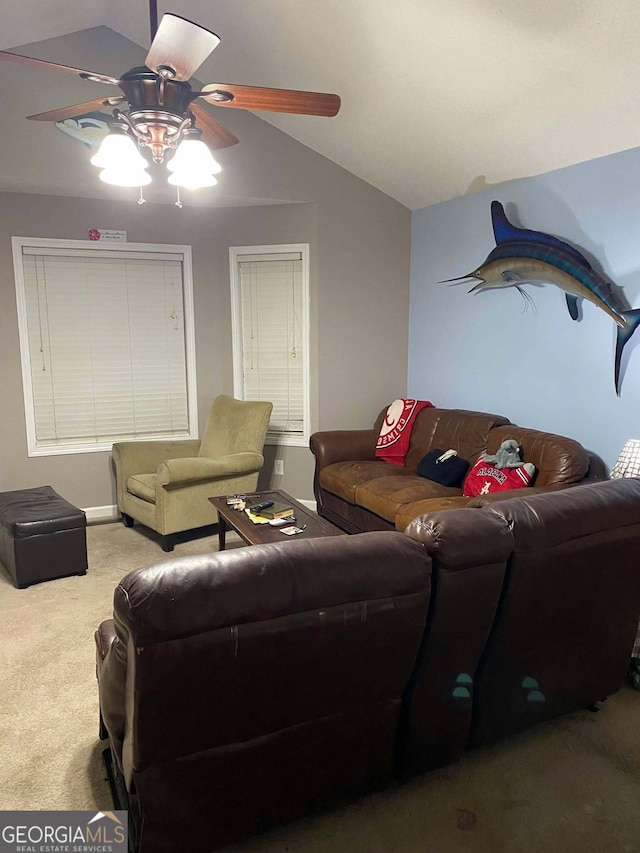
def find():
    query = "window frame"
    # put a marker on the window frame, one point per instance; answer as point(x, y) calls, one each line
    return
point(235, 252)
point(46, 243)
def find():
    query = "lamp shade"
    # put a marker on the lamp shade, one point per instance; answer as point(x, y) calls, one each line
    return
point(118, 151)
point(193, 155)
point(191, 181)
point(125, 177)
point(628, 463)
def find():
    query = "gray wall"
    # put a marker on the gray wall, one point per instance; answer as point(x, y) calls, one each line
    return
point(359, 299)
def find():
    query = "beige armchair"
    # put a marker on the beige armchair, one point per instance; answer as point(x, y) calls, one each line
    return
point(165, 484)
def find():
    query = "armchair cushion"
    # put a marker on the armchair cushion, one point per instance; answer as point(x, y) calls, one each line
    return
point(234, 426)
point(143, 486)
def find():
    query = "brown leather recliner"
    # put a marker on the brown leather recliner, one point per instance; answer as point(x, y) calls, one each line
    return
point(469, 550)
point(245, 688)
point(561, 571)
point(569, 609)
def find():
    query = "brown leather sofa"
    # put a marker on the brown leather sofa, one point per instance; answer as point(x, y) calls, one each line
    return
point(248, 687)
point(358, 492)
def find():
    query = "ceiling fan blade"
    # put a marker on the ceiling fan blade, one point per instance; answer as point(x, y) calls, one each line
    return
point(30, 60)
point(214, 134)
point(77, 109)
point(181, 46)
point(272, 100)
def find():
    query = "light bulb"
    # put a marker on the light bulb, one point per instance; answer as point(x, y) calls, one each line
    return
point(125, 177)
point(191, 181)
point(192, 155)
point(118, 151)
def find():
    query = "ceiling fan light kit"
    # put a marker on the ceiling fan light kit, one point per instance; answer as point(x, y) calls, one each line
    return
point(118, 150)
point(162, 115)
point(123, 178)
point(190, 181)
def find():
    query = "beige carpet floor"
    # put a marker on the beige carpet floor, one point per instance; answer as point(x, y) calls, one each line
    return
point(570, 786)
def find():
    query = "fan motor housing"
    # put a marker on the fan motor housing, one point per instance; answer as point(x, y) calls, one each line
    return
point(146, 90)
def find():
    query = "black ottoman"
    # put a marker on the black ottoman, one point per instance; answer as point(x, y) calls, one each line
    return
point(42, 536)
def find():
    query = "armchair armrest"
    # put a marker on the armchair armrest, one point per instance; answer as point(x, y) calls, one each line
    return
point(342, 446)
point(178, 472)
point(143, 457)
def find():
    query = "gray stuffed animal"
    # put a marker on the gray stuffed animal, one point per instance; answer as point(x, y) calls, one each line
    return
point(508, 455)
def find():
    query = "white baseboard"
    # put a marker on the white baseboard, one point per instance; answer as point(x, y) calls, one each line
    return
point(98, 514)
point(101, 513)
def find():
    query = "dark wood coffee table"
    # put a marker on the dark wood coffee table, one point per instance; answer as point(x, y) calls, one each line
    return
point(261, 534)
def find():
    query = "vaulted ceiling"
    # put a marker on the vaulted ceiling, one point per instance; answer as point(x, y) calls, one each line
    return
point(440, 98)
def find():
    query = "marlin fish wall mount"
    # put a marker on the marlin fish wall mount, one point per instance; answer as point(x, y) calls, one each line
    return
point(524, 257)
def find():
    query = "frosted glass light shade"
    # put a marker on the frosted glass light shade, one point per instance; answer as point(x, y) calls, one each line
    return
point(192, 155)
point(191, 181)
point(125, 177)
point(118, 151)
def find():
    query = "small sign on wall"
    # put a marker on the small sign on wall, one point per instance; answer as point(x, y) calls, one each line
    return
point(107, 235)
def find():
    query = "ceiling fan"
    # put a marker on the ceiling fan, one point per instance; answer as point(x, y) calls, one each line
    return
point(158, 109)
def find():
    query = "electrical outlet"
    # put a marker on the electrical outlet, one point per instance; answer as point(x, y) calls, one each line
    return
point(278, 467)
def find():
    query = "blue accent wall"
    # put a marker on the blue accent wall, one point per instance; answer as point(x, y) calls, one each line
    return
point(491, 351)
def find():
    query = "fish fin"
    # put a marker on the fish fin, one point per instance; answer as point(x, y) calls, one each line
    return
point(528, 301)
point(572, 305)
point(632, 321)
point(511, 277)
point(505, 232)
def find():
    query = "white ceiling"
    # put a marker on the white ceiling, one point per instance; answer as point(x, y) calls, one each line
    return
point(440, 98)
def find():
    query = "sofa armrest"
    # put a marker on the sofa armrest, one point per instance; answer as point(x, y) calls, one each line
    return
point(342, 446)
point(111, 657)
point(196, 469)
point(529, 491)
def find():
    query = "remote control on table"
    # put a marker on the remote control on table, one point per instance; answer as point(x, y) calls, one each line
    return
point(261, 506)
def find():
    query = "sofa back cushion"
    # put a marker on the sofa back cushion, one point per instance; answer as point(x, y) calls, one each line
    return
point(228, 648)
point(558, 460)
point(469, 549)
point(463, 431)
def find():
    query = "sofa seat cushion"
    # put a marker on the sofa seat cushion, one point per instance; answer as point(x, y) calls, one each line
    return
point(143, 486)
point(409, 511)
point(343, 478)
point(387, 495)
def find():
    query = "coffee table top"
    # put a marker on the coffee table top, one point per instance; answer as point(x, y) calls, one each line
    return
point(261, 534)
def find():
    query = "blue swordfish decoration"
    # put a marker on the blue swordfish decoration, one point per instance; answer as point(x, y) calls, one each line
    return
point(523, 257)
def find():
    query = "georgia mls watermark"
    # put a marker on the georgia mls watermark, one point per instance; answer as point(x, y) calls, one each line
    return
point(63, 832)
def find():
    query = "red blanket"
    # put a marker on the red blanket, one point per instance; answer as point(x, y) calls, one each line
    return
point(395, 434)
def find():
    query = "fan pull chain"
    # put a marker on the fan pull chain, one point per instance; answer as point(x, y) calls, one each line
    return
point(178, 202)
point(142, 199)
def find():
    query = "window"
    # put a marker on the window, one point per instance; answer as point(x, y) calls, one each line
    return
point(106, 340)
point(270, 317)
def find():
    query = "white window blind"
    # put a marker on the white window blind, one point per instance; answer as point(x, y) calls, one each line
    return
point(105, 347)
point(273, 347)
